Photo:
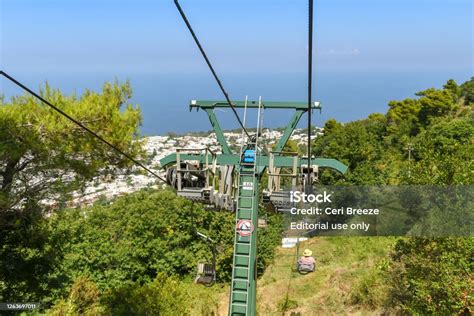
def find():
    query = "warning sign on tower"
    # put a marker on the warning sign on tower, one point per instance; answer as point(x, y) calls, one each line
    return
point(244, 227)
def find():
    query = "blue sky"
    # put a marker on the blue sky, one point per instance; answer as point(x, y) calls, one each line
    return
point(62, 41)
point(240, 36)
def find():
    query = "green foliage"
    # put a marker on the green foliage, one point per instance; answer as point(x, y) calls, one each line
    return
point(410, 116)
point(138, 236)
point(375, 149)
point(433, 276)
point(403, 118)
point(343, 275)
point(268, 239)
point(286, 304)
point(331, 126)
point(453, 87)
point(360, 145)
point(371, 290)
point(163, 296)
point(202, 300)
point(83, 299)
point(428, 275)
point(143, 235)
point(444, 151)
point(435, 103)
point(35, 141)
point(44, 157)
point(291, 146)
point(467, 91)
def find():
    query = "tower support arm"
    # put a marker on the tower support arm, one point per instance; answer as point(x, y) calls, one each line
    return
point(207, 104)
point(217, 129)
point(279, 162)
point(289, 130)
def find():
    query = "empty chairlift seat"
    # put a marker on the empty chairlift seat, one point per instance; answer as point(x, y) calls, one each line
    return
point(206, 274)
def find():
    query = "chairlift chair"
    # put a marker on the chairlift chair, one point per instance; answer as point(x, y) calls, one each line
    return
point(206, 274)
point(305, 268)
point(192, 179)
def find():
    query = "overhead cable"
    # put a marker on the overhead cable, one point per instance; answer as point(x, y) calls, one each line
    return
point(310, 80)
point(226, 95)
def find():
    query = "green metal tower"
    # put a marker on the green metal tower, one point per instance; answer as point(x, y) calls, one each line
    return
point(195, 174)
point(243, 287)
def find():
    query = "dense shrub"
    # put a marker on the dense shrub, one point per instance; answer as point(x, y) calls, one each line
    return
point(126, 245)
point(164, 296)
point(83, 299)
point(433, 276)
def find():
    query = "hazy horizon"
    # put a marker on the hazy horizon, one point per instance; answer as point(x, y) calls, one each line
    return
point(366, 52)
point(344, 96)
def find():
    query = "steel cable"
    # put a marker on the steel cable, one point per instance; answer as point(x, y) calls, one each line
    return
point(226, 95)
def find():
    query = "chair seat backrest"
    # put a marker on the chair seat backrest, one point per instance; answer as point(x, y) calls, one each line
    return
point(205, 269)
point(305, 267)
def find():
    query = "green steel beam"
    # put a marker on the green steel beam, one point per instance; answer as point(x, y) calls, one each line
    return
point(243, 291)
point(218, 130)
point(243, 286)
point(289, 130)
point(280, 161)
point(206, 104)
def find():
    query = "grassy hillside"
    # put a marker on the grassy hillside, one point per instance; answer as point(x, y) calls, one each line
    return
point(346, 280)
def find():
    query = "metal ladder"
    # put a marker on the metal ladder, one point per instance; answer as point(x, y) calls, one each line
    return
point(243, 286)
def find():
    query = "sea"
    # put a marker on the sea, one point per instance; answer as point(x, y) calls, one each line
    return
point(164, 97)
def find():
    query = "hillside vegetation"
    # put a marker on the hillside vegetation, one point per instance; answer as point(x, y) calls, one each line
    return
point(136, 255)
point(346, 281)
point(371, 276)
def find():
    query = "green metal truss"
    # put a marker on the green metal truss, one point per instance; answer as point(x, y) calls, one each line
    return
point(242, 300)
point(280, 161)
point(205, 104)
